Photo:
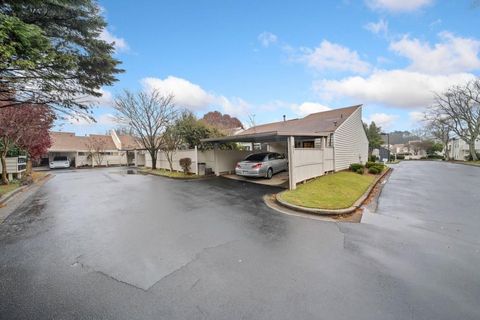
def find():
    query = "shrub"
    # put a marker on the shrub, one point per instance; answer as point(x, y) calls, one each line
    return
point(355, 166)
point(370, 164)
point(185, 163)
point(374, 170)
point(360, 171)
point(373, 158)
point(435, 156)
point(400, 156)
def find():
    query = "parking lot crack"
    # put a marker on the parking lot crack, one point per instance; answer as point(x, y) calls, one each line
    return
point(195, 258)
point(78, 263)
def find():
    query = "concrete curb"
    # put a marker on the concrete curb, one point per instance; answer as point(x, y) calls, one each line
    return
point(464, 163)
point(174, 178)
point(320, 211)
point(6, 197)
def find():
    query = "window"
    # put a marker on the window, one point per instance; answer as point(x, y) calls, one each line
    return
point(308, 144)
point(274, 156)
point(256, 157)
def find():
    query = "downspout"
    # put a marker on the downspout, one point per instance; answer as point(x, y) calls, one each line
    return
point(196, 160)
point(291, 166)
point(215, 158)
point(333, 150)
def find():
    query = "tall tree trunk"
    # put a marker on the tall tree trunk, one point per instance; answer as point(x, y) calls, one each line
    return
point(153, 155)
point(473, 152)
point(28, 169)
point(170, 160)
point(4, 168)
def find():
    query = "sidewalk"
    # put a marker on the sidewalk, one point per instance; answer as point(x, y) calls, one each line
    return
point(13, 202)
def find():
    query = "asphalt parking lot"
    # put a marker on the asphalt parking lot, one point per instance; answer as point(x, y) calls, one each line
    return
point(100, 244)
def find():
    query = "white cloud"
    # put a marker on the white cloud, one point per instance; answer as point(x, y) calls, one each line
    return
point(106, 119)
point(332, 56)
point(452, 54)
point(193, 97)
point(267, 38)
point(186, 94)
point(416, 116)
point(307, 108)
point(380, 27)
point(396, 88)
point(235, 106)
point(120, 44)
point(105, 100)
point(382, 119)
point(416, 119)
point(398, 5)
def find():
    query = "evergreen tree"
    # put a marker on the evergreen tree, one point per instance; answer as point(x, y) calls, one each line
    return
point(374, 136)
point(51, 54)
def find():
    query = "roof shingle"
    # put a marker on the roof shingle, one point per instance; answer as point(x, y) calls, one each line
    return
point(326, 121)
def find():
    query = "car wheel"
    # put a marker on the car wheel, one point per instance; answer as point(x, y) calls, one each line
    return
point(269, 173)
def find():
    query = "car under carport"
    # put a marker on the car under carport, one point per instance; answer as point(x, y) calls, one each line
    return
point(314, 145)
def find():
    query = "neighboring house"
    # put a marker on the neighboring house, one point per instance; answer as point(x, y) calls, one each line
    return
point(458, 149)
point(115, 149)
point(16, 166)
point(381, 153)
point(412, 150)
point(314, 145)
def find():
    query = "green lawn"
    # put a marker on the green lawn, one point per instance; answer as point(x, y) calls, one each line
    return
point(9, 187)
point(472, 163)
point(334, 191)
point(170, 174)
point(475, 163)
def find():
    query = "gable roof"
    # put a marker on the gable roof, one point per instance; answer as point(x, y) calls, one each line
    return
point(68, 141)
point(129, 142)
point(314, 125)
point(320, 122)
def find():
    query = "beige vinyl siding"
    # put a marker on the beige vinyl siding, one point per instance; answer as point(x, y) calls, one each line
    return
point(350, 142)
point(12, 165)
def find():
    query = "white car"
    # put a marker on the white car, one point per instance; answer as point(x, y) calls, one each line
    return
point(60, 162)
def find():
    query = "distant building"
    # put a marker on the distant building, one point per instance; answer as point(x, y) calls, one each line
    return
point(116, 149)
point(412, 150)
point(459, 150)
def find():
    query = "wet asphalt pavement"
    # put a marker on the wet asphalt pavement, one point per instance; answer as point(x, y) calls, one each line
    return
point(100, 244)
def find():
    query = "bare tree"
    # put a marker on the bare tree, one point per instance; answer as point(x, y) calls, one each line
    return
point(172, 140)
point(96, 149)
point(148, 114)
point(461, 105)
point(439, 128)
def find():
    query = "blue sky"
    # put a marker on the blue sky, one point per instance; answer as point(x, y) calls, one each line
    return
point(270, 58)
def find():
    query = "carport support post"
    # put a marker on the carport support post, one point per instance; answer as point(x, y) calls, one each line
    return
point(196, 160)
point(291, 172)
point(215, 157)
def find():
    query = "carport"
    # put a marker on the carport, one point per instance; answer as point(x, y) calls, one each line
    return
point(305, 152)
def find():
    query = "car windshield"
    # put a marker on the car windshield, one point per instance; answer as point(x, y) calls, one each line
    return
point(60, 159)
point(256, 157)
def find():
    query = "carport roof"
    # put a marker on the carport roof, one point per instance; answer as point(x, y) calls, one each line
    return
point(314, 125)
point(265, 137)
